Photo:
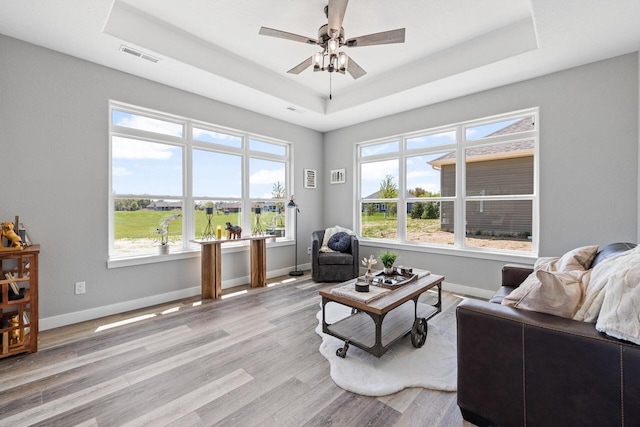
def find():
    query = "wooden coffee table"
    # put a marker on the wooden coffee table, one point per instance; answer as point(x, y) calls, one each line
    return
point(375, 326)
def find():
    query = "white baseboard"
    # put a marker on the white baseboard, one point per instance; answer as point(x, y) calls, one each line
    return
point(108, 310)
point(467, 290)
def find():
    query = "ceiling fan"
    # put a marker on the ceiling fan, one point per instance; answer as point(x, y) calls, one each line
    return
point(330, 38)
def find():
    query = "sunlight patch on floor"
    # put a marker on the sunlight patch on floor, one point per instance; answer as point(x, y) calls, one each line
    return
point(235, 294)
point(125, 322)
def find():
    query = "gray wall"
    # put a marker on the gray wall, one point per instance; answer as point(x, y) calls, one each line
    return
point(53, 127)
point(54, 139)
point(588, 160)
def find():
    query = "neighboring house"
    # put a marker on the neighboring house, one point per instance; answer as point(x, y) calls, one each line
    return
point(382, 207)
point(163, 205)
point(502, 169)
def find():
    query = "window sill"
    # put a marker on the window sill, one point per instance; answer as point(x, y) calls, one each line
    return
point(178, 254)
point(526, 258)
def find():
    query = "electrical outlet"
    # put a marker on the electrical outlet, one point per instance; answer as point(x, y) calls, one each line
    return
point(308, 251)
point(80, 287)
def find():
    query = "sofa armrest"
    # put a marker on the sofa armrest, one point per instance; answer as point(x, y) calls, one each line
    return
point(514, 274)
point(530, 359)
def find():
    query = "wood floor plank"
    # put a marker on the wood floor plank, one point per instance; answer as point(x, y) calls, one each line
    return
point(249, 360)
point(191, 401)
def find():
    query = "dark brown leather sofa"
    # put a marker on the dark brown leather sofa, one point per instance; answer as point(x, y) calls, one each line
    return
point(523, 368)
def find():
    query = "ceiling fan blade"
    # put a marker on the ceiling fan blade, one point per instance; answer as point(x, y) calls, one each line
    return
point(337, 9)
point(354, 69)
point(385, 37)
point(301, 66)
point(284, 35)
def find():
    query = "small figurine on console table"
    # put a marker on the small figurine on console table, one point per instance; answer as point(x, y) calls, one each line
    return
point(235, 231)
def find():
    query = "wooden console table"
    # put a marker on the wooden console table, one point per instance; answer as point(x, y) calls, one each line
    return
point(212, 263)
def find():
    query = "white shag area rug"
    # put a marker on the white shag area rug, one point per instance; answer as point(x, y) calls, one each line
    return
point(433, 366)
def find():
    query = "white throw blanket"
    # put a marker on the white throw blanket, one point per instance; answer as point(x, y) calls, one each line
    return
point(620, 313)
point(598, 282)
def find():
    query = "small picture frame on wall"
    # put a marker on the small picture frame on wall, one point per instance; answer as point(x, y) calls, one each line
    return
point(338, 176)
point(310, 178)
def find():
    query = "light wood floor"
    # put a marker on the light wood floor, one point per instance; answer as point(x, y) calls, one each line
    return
point(246, 360)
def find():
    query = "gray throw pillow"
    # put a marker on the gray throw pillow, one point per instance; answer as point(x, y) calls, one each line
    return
point(340, 242)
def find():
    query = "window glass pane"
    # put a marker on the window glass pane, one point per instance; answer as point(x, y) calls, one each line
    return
point(379, 220)
point(135, 121)
point(142, 167)
point(430, 222)
point(213, 214)
point(268, 217)
point(267, 147)
point(502, 169)
point(372, 150)
point(217, 137)
point(266, 179)
point(141, 225)
point(500, 224)
point(434, 140)
point(216, 174)
point(432, 175)
point(379, 179)
point(503, 127)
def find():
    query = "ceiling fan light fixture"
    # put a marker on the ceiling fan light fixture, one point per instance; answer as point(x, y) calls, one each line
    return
point(343, 62)
point(317, 61)
point(332, 46)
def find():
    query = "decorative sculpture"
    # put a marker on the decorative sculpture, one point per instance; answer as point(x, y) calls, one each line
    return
point(235, 231)
point(7, 231)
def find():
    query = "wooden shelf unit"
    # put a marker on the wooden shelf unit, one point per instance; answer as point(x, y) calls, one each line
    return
point(19, 320)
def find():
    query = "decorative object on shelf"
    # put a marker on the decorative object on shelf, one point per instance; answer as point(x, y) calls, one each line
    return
point(208, 230)
point(234, 231)
point(310, 178)
point(219, 232)
point(7, 232)
point(163, 232)
point(257, 229)
point(368, 276)
point(19, 283)
point(338, 176)
point(292, 205)
point(16, 336)
point(388, 258)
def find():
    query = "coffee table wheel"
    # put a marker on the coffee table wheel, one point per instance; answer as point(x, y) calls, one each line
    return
point(342, 351)
point(419, 332)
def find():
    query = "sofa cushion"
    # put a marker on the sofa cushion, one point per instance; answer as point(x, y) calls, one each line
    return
point(553, 292)
point(328, 233)
point(334, 258)
point(340, 242)
point(576, 259)
point(557, 285)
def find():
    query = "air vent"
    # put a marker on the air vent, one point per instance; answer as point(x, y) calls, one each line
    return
point(134, 52)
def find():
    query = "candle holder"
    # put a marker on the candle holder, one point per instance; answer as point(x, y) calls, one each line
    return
point(208, 230)
point(257, 229)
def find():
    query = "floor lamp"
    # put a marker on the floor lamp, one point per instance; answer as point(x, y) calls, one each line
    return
point(292, 205)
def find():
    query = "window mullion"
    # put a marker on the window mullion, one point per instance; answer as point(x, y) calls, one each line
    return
point(460, 204)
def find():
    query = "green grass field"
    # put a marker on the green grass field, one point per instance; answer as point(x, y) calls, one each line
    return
point(142, 224)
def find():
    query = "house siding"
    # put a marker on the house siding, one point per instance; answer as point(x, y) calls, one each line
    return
point(492, 178)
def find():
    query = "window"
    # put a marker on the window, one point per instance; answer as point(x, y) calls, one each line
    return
point(171, 178)
point(469, 185)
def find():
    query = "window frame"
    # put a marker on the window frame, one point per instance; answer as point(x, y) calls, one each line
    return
point(187, 198)
point(461, 198)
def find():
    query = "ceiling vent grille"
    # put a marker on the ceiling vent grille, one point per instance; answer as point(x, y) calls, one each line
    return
point(134, 52)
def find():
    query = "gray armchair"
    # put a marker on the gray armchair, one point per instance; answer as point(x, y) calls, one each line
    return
point(333, 266)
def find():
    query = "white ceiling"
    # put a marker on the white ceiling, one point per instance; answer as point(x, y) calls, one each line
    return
point(213, 48)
